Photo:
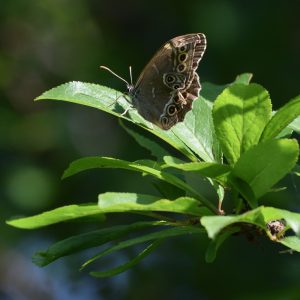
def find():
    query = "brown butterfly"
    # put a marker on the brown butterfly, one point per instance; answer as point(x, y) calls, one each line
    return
point(168, 85)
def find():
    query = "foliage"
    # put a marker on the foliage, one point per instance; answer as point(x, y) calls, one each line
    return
point(230, 137)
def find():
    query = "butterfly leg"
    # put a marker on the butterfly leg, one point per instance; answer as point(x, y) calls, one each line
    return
point(178, 98)
point(116, 100)
point(130, 106)
point(113, 103)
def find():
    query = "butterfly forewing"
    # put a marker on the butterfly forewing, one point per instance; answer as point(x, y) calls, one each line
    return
point(169, 83)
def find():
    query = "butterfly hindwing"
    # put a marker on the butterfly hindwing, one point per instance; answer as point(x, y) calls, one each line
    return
point(169, 83)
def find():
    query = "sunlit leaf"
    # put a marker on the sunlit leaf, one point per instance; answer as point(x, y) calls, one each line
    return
point(211, 91)
point(240, 114)
point(116, 103)
point(259, 217)
point(64, 213)
point(292, 242)
point(113, 102)
point(295, 125)
point(107, 162)
point(122, 202)
point(207, 169)
point(266, 163)
point(281, 119)
point(244, 78)
point(197, 131)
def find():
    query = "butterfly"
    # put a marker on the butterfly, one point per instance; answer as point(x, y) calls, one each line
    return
point(168, 85)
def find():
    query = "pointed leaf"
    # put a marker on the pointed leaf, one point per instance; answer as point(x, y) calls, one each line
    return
point(295, 125)
point(113, 102)
point(296, 170)
point(123, 202)
point(266, 163)
point(128, 265)
point(116, 103)
point(64, 213)
point(211, 91)
point(107, 162)
point(244, 78)
point(166, 233)
point(240, 114)
point(214, 171)
point(199, 123)
point(215, 244)
point(243, 188)
point(208, 169)
point(156, 150)
point(87, 240)
point(281, 119)
point(259, 217)
point(166, 190)
point(89, 94)
point(292, 242)
point(197, 131)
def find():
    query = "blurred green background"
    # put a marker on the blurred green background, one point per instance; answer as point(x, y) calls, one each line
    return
point(46, 43)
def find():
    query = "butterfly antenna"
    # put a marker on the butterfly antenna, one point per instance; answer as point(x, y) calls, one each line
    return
point(112, 72)
point(130, 74)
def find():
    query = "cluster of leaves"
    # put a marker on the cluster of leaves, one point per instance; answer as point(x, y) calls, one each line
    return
point(230, 137)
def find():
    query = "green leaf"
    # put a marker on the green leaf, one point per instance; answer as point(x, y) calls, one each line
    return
point(166, 190)
point(200, 122)
point(296, 170)
point(208, 169)
point(128, 265)
point(215, 244)
point(197, 131)
point(295, 125)
point(259, 217)
point(113, 102)
point(292, 242)
point(240, 114)
point(214, 171)
point(266, 163)
point(244, 78)
point(64, 213)
point(166, 233)
point(123, 202)
point(116, 103)
point(88, 240)
point(244, 189)
point(210, 91)
point(285, 133)
point(107, 162)
point(281, 119)
point(155, 149)
point(173, 140)
point(220, 192)
point(89, 94)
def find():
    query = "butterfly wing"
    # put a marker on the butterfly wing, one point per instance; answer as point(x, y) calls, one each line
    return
point(169, 83)
point(150, 94)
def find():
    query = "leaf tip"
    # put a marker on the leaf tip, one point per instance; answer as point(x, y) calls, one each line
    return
point(40, 259)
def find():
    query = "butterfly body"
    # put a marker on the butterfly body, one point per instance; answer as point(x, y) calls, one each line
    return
point(167, 86)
